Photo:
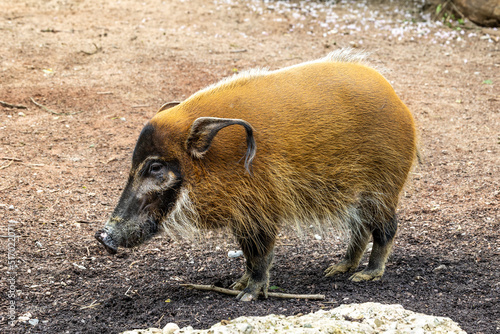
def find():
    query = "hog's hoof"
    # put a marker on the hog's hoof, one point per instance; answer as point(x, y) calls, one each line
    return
point(339, 268)
point(251, 290)
point(367, 275)
point(249, 294)
point(246, 297)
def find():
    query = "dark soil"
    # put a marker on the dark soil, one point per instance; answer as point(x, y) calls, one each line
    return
point(114, 63)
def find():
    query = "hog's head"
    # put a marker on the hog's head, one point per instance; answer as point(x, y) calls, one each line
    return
point(155, 194)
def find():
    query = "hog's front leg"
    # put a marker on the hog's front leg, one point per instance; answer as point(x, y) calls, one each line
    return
point(259, 253)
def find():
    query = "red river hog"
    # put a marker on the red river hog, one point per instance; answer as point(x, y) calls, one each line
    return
point(325, 143)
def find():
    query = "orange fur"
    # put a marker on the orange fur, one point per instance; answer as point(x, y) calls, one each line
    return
point(330, 134)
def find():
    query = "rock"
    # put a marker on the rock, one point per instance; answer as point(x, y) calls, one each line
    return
point(25, 317)
point(440, 268)
point(79, 266)
point(170, 328)
point(352, 318)
point(33, 322)
point(235, 254)
point(482, 12)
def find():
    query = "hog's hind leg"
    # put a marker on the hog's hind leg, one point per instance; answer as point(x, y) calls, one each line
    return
point(259, 254)
point(357, 245)
point(383, 238)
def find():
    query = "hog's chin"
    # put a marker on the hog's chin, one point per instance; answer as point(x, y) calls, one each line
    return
point(147, 230)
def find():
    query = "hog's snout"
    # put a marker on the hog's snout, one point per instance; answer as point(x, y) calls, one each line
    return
point(105, 238)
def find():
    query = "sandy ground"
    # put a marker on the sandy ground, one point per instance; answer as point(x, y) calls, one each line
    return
point(101, 69)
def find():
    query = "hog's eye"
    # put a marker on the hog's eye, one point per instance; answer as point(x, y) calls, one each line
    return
point(155, 168)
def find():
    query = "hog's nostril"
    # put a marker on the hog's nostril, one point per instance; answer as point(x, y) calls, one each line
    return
point(104, 238)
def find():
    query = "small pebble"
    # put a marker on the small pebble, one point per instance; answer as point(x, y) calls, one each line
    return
point(170, 328)
point(440, 268)
point(25, 317)
point(79, 266)
point(33, 322)
point(234, 254)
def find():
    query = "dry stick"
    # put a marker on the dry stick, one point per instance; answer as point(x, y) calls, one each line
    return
point(92, 305)
point(158, 322)
point(12, 159)
point(7, 165)
point(8, 105)
point(130, 266)
point(235, 292)
point(83, 222)
point(97, 49)
point(5, 188)
point(41, 106)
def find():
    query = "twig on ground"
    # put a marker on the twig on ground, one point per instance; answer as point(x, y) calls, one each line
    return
point(7, 187)
point(238, 51)
point(12, 106)
point(52, 30)
point(41, 106)
point(92, 305)
point(83, 222)
point(158, 322)
point(12, 159)
point(236, 292)
point(7, 165)
point(130, 266)
point(97, 49)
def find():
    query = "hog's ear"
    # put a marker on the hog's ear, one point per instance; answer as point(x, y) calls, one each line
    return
point(204, 129)
point(168, 105)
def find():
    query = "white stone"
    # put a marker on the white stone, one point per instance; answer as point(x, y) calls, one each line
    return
point(235, 254)
point(170, 328)
point(33, 322)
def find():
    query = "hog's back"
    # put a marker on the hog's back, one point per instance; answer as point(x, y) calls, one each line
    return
point(319, 116)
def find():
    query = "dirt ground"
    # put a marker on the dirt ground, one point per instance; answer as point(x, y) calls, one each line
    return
point(102, 68)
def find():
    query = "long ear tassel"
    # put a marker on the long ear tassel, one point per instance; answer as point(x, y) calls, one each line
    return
point(251, 147)
point(204, 129)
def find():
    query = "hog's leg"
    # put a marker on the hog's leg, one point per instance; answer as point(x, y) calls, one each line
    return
point(259, 253)
point(383, 238)
point(357, 245)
